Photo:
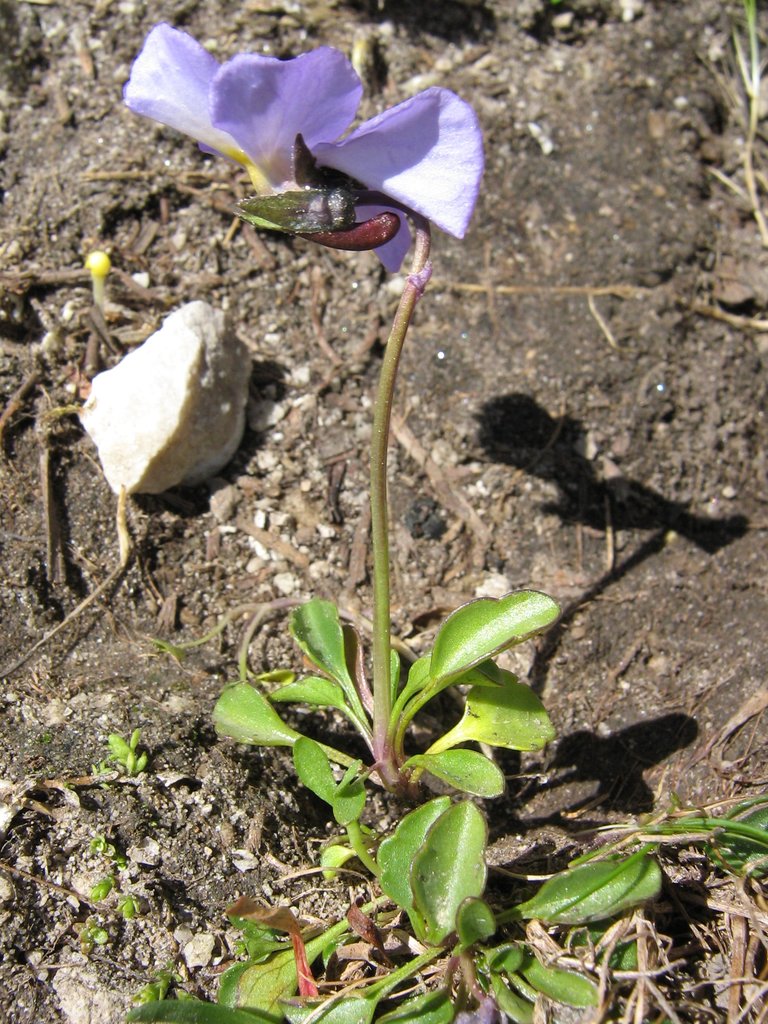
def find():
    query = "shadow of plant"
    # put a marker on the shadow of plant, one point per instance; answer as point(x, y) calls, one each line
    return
point(617, 761)
point(517, 431)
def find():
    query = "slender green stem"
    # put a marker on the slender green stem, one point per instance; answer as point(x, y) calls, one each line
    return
point(357, 842)
point(405, 714)
point(382, 684)
point(381, 989)
point(725, 826)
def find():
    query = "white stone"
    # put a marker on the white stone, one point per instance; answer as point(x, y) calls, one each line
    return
point(493, 585)
point(286, 583)
point(86, 999)
point(7, 892)
point(244, 860)
point(173, 410)
point(145, 852)
point(199, 950)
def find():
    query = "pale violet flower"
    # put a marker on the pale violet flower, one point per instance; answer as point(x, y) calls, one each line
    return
point(426, 153)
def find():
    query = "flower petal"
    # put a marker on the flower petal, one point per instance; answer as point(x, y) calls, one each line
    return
point(427, 152)
point(264, 103)
point(169, 82)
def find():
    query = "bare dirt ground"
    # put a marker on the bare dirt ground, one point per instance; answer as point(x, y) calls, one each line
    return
point(581, 410)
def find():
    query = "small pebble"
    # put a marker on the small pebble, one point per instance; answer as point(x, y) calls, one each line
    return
point(145, 852)
point(286, 583)
point(198, 952)
point(224, 499)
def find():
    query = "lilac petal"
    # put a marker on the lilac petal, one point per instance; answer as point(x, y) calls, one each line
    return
point(487, 1012)
point(426, 152)
point(264, 103)
point(392, 253)
point(169, 82)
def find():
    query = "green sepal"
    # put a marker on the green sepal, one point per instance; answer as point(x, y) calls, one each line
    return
point(304, 211)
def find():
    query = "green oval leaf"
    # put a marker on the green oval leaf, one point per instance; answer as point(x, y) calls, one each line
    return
point(314, 768)
point(474, 922)
point(262, 987)
point(466, 770)
point(316, 628)
point(562, 986)
point(484, 628)
point(246, 715)
point(514, 1006)
point(511, 716)
point(397, 851)
point(593, 891)
point(449, 868)
point(335, 856)
point(192, 1011)
point(508, 958)
point(349, 1010)
point(315, 690)
point(349, 796)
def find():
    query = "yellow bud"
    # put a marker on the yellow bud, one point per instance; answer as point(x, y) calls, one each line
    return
point(98, 263)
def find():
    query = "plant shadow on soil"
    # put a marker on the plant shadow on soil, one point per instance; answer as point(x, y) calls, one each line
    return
point(517, 431)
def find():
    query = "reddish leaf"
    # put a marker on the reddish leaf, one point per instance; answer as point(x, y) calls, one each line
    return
point(282, 919)
point(307, 986)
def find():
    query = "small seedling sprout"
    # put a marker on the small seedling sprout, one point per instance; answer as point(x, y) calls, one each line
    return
point(99, 265)
point(126, 753)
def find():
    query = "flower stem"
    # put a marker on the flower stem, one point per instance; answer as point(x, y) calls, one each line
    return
point(382, 677)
